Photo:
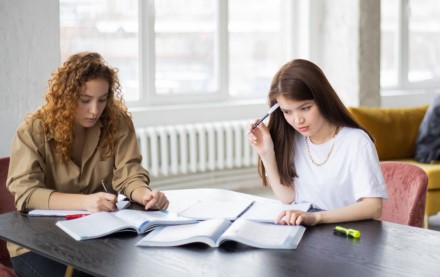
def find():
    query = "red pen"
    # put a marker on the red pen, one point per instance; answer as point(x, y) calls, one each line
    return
point(73, 216)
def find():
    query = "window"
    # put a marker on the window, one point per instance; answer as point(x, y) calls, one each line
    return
point(410, 50)
point(177, 51)
point(107, 27)
point(259, 39)
point(184, 44)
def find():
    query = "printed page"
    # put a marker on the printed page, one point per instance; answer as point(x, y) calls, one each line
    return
point(205, 232)
point(204, 210)
point(60, 213)
point(120, 205)
point(263, 235)
point(183, 199)
point(93, 226)
point(269, 211)
point(146, 220)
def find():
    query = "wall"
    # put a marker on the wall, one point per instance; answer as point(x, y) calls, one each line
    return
point(344, 39)
point(29, 52)
point(347, 46)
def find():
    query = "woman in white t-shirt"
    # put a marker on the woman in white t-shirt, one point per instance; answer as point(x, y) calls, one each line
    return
point(314, 151)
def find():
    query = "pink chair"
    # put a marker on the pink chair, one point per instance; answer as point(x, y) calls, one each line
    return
point(6, 205)
point(407, 186)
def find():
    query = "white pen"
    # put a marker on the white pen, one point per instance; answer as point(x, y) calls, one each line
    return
point(103, 185)
point(272, 109)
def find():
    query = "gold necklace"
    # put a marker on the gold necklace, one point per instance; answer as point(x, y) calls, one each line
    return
point(329, 153)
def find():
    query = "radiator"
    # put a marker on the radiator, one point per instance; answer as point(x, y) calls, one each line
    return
point(191, 148)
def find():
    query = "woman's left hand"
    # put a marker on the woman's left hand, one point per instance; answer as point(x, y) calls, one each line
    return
point(155, 200)
point(294, 217)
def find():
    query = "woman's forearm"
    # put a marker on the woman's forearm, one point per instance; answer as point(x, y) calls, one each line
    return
point(286, 194)
point(367, 208)
point(66, 201)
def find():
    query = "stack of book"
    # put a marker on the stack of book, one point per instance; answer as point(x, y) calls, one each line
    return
point(212, 220)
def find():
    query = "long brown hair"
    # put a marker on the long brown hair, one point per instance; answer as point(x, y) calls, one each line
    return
point(300, 80)
point(62, 96)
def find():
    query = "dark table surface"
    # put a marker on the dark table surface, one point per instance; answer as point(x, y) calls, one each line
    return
point(384, 249)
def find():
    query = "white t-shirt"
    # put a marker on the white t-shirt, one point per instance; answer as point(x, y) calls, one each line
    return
point(351, 172)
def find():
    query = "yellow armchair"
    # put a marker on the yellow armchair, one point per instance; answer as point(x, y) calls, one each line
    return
point(395, 131)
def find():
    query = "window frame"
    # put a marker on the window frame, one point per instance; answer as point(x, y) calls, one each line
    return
point(147, 94)
point(401, 56)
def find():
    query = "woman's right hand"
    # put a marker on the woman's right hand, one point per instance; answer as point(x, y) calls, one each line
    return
point(100, 202)
point(260, 139)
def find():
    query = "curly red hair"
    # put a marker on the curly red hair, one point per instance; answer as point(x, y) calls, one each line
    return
point(62, 100)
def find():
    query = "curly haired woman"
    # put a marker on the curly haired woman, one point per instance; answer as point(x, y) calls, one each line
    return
point(79, 144)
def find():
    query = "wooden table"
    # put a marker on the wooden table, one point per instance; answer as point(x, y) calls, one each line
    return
point(384, 249)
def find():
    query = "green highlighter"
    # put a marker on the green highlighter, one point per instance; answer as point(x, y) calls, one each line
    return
point(348, 232)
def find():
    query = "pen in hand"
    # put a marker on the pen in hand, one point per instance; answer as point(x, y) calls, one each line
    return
point(271, 110)
point(103, 185)
point(106, 190)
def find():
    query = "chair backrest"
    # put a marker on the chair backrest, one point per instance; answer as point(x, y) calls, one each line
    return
point(6, 205)
point(6, 198)
point(407, 186)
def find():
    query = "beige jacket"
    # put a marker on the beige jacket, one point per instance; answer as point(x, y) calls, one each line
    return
point(34, 172)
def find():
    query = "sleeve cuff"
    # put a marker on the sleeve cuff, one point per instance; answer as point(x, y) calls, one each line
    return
point(39, 199)
point(132, 187)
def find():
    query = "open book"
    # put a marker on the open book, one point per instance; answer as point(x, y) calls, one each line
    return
point(121, 204)
point(269, 211)
point(214, 232)
point(105, 223)
point(203, 210)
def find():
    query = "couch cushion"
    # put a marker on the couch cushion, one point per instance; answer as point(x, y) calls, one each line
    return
point(394, 129)
point(432, 202)
point(432, 170)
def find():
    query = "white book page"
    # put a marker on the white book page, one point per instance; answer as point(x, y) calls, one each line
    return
point(205, 231)
point(93, 226)
point(143, 220)
point(60, 213)
point(137, 218)
point(204, 210)
point(120, 205)
point(183, 199)
point(269, 211)
point(264, 235)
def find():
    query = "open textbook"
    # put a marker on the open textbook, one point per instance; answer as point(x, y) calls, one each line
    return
point(186, 207)
point(266, 211)
point(214, 232)
point(121, 204)
point(203, 210)
point(269, 211)
point(105, 223)
point(204, 203)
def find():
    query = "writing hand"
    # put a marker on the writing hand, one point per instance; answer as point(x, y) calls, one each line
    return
point(100, 202)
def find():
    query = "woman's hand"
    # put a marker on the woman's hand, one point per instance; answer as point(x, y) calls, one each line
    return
point(260, 139)
point(295, 217)
point(155, 200)
point(100, 202)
